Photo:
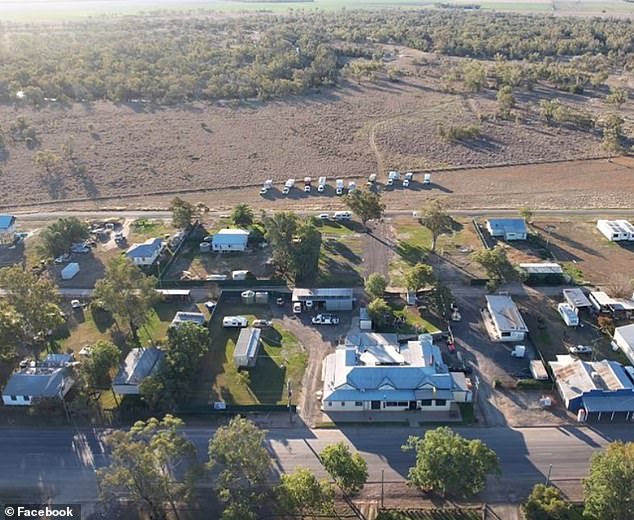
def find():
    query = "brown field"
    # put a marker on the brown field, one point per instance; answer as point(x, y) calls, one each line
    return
point(361, 128)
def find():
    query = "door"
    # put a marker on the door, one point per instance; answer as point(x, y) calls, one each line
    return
point(412, 405)
point(375, 405)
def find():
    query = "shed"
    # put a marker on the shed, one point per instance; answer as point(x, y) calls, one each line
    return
point(7, 228)
point(335, 299)
point(543, 273)
point(139, 364)
point(538, 370)
point(194, 317)
point(247, 348)
point(507, 228)
point(70, 271)
point(175, 294)
point(576, 298)
point(231, 239)
point(624, 339)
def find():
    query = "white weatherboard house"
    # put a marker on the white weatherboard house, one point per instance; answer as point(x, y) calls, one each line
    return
point(624, 339)
point(616, 230)
point(50, 379)
point(507, 228)
point(371, 372)
point(7, 229)
point(146, 253)
point(507, 321)
point(230, 240)
point(139, 364)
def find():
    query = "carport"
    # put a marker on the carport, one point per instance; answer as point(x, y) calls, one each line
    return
point(614, 408)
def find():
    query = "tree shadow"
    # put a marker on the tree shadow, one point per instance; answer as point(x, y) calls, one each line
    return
point(267, 379)
point(412, 254)
point(339, 248)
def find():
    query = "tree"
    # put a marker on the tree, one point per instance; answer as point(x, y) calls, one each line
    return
point(300, 493)
point(379, 311)
point(46, 160)
point(434, 218)
point(350, 471)
point(366, 205)
point(34, 303)
point(441, 301)
point(99, 365)
point(546, 503)
point(609, 488)
point(305, 252)
point(152, 463)
point(127, 293)
point(449, 463)
point(280, 231)
point(495, 263)
point(57, 238)
point(617, 96)
point(375, 285)
point(419, 276)
point(238, 456)
point(10, 330)
point(620, 286)
point(242, 215)
point(505, 99)
point(612, 131)
point(473, 75)
point(526, 213)
point(182, 212)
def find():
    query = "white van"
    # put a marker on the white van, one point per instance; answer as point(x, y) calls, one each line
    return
point(342, 215)
point(234, 321)
point(427, 178)
point(297, 307)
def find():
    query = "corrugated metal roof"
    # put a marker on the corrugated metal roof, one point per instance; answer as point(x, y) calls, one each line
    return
point(542, 268)
point(505, 314)
point(609, 403)
point(508, 225)
point(6, 221)
point(43, 384)
point(316, 293)
point(247, 343)
point(146, 249)
point(576, 297)
point(138, 364)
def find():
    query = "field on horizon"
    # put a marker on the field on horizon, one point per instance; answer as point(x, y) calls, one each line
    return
point(66, 9)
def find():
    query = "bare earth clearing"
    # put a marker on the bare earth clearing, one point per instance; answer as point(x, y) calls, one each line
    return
point(350, 132)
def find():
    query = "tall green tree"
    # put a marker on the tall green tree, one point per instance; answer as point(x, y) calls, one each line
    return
point(526, 213)
point(99, 366)
point(305, 252)
point(127, 293)
point(57, 238)
point(375, 285)
point(379, 311)
point(183, 212)
point(495, 263)
point(281, 229)
point(153, 464)
point(241, 466)
point(10, 330)
point(418, 276)
point(34, 303)
point(473, 75)
point(449, 463)
point(609, 488)
point(365, 204)
point(242, 215)
point(547, 503)
point(300, 493)
point(434, 218)
point(612, 131)
point(349, 470)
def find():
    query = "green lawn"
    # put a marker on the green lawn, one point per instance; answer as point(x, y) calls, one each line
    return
point(414, 322)
point(143, 228)
point(281, 359)
point(340, 260)
point(413, 246)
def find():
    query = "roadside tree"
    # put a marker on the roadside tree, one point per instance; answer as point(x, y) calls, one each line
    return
point(57, 238)
point(450, 464)
point(526, 213)
point(100, 365)
point(241, 465)
point(300, 493)
point(418, 276)
point(375, 285)
point(31, 304)
point(183, 212)
point(127, 293)
point(609, 488)
point(153, 464)
point(350, 471)
point(434, 218)
point(495, 263)
point(242, 215)
point(365, 204)
point(547, 503)
point(10, 330)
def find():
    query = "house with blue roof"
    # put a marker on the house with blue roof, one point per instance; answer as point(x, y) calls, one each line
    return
point(507, 228)
point(230, 240)
point(7, 229)
point(598, 391)
point(145, 253)
point(372, 372)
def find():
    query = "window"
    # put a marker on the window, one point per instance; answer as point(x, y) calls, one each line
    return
point(505, 334)
point(358, 403)
point(425, 402)
point(26, 398)
point(343, 403)
point(441, 402)
point(391, 403)
point(329, 403)
point(14, 397)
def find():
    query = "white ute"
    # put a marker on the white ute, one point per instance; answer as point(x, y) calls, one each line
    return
point(352, 187)
point(392, 177)
point(339, 183)
point(288, 185)
point(321, 186)
point(409, 176)
point(307, 183)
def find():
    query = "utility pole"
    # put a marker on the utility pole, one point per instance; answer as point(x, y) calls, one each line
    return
point(382, 480)
point(289, 394)
point(550, 468)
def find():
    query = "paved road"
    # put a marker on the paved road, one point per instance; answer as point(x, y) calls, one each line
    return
point(59, 462)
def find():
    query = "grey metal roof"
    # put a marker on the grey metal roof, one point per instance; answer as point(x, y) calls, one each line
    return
point(322, 293)
point(193, 317)
point(505, 313)
point(138, 364)
point(609, 403)
point(542, 268)
point(576, 297)
point(508, 225)
point(146, 249)
point(247, 344)
point(627, 333)
point(44, 383)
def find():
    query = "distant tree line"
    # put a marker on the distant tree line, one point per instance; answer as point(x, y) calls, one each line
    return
point(174, 59)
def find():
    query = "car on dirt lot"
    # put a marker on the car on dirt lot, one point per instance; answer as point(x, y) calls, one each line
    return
point(325, 319)
point(581, 349)
point(262, 324)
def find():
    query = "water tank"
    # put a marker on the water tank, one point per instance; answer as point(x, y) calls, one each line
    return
point(262, 297)
point(248, 297)
point(205, 247)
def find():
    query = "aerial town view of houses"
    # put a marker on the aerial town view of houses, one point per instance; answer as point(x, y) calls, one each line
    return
point(261, 260)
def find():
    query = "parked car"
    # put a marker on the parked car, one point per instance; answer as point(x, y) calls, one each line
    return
point(79, 248)
point(210, 305)
point(262, 324)
point(63, 259)
point(280, 301)
point(325, 319)
point(323, 216)
point(581, 349)
point(75, 304)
